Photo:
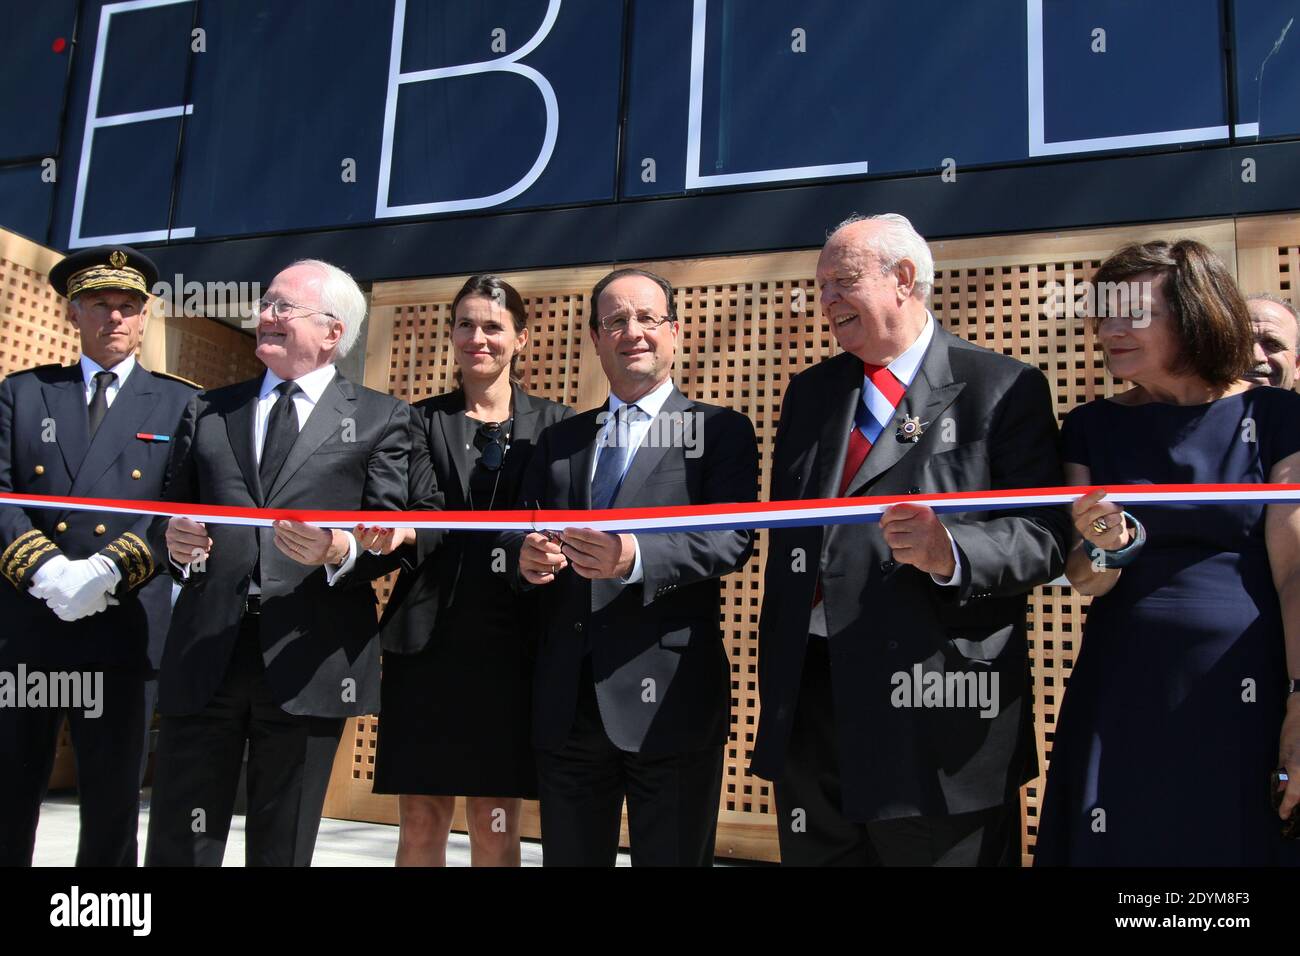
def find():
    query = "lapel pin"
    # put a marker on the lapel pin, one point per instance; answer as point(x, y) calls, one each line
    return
point(147, 436)
point(910, 428)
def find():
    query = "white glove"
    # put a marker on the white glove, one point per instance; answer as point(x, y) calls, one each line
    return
point(45, 576)
point(83, 588)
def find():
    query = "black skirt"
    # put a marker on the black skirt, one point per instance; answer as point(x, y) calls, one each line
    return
point(456, 718)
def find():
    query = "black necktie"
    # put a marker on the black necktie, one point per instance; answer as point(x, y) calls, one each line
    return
point(281, 433)
point(99, 400)
point(613, 458)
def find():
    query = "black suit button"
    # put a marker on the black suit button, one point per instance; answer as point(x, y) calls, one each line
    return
point(578, 627)
point(893, 645)
point(887, 566)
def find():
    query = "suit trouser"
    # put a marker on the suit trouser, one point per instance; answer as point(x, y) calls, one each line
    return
point(111, 750)
point(198, 763)
point(672, 799)
point(825, 837)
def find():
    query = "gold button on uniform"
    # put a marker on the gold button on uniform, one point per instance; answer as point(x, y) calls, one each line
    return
point(61, 527)
point(100, 529)
point(135, 473)
point(40, 469)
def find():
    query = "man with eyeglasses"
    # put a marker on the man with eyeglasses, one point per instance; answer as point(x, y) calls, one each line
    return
point(897, 723)
point(273, 641)
point(81, 596)
point(632, 695)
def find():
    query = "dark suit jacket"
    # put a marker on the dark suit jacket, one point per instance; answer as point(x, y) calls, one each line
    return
point(319, 643)
point(431, 568)
point(46, 449)
point(664, 629)
point(990, 425)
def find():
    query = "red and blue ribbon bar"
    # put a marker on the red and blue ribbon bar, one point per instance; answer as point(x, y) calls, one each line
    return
point(712, 517)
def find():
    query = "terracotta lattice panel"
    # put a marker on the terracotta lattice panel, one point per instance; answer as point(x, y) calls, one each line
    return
point(209, 352)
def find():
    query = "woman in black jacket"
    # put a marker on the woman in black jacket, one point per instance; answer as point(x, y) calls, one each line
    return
point(457, 666)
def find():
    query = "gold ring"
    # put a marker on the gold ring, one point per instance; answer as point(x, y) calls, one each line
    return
point(1100, 526)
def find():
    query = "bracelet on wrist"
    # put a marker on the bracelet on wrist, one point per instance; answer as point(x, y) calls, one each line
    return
point(1121, 557)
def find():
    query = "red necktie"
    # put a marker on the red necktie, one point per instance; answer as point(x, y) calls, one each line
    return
point(888, 385)
point(859, 444)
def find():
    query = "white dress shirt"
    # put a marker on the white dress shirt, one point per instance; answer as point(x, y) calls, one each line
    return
point(310, 389)
point(649, 405)
point(89, 368)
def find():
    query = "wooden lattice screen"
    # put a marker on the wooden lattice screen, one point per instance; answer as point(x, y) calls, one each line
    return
point(748, 324)
point(34, 327)
point(203, 350)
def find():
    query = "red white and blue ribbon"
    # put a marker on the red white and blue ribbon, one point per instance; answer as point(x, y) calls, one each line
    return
point(711, 517)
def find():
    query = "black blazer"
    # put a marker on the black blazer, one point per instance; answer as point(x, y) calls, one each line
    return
point(319, 643)
point(662, 675)
point(990, 425)
point(46, 449)
point(430, 577)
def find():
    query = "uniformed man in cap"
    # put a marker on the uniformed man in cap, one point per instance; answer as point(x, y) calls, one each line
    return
point(83, 613)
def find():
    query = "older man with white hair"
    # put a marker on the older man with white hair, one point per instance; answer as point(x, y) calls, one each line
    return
point(273, 640)
point(896, 714)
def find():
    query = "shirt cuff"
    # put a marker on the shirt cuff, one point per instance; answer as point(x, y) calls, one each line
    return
point(332, 573)
point(955, 580)
point(637, 574)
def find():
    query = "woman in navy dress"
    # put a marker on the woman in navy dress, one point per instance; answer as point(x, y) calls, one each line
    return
point(1178, 708)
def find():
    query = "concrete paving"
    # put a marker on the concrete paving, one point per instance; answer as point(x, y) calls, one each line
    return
point(340, 843)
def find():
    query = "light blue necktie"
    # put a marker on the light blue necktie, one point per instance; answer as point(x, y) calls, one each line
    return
point(614, 455)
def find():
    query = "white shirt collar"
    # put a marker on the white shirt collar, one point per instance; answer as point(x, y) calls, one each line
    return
point(649, 403)
point(313, 383)
point(122, 369)
point(906, 365)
